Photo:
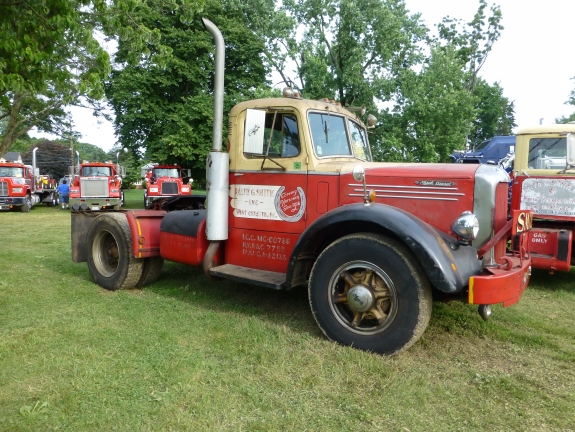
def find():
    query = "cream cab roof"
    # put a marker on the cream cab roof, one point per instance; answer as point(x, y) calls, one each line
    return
point(546, 129)
point(301, 105)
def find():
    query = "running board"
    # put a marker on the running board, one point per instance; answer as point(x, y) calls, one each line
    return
point(263, 278)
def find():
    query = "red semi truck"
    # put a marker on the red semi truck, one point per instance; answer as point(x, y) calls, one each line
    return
point(97, 186)
point(298, 202)
point(544, 182)
point(21, 186)
point(166, 189)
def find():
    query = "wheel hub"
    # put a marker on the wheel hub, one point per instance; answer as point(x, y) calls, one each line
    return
point(360, 298)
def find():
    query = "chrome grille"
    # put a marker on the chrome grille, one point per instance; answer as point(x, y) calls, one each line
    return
point(500, 215)
point(3, 188)
point(94, 187)
point(169, 188)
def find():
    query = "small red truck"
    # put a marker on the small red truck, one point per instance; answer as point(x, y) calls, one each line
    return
point(21, 186)
point(166, 189)
point(97, 186)
point(297, 201)
point(544, 182)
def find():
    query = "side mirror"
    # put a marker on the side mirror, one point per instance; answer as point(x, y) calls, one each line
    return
point(570, 150)
point(371, 121)
point(189, 173)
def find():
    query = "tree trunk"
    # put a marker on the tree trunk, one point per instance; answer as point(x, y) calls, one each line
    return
point(10, 133)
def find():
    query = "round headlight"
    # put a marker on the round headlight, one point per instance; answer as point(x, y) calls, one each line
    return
point(466, 226)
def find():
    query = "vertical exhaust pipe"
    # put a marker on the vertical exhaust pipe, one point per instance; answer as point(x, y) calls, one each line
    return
point(217, 163)
point(34, 169)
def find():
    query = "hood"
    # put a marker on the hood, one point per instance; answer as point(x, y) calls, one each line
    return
point(435, 193)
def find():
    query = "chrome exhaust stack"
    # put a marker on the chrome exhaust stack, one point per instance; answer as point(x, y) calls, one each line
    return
point(217, 163)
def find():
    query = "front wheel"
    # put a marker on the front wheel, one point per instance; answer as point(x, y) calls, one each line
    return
point(110, 258)
point(369, 292)
point(25, 208)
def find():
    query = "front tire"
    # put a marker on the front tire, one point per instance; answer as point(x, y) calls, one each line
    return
point(25, 208)
point(110, 258)
point(369, 292)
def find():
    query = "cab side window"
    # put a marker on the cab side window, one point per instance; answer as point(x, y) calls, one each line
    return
point(284, 135)
point(277, 130)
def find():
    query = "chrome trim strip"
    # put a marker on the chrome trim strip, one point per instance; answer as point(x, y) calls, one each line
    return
point(405, 187)
point(409, 197)
point(414, 192)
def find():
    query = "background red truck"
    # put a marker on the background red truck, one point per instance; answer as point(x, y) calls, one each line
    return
point(544, 182)
point(166, 189)
point(97, 186)
point(298, 202)
point(21, 186)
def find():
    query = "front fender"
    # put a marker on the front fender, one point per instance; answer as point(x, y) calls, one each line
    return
point(448, 270)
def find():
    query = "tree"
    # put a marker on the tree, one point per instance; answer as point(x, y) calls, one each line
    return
point(350, 50)
point(51, 158)
point(50, 56)
point(48, 59)
point(431, 114)
point(472, 41)
point(164, 110)
point(495, 114)
point(570, 101)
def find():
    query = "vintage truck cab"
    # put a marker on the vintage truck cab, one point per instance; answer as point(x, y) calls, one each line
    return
point(296, 201)
point(544, 182)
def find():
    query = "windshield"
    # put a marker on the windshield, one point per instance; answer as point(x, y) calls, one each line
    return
point(482, 145)
point(359, 141)
point(11, 172)
point(547, 153)
point(97, 171)
point(167, 172)
point(329, 135)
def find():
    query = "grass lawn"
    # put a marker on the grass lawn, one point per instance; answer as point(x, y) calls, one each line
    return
point(189, 354)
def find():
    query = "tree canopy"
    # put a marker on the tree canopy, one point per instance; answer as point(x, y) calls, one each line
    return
point(165, 110)
point(427, 91)
point(570, 101)
point(48, 59)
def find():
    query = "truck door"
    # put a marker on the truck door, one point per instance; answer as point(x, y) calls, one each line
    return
point(268, 188)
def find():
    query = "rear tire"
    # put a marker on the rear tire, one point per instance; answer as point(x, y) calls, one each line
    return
point(369, 292)
point(110, 259)
point(151, 271)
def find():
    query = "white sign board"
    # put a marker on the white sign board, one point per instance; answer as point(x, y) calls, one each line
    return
point(267, 202)
point(546, 196)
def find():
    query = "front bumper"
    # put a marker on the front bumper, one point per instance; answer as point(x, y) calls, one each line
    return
point(500, 285)
point(6, 203)
point(95, 204)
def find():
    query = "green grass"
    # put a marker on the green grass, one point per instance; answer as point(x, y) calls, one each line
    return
point(190, 354)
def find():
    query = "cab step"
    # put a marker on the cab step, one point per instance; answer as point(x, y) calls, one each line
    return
point(263, 278)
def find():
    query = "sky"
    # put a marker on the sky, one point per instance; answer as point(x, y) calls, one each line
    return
point(532, 60)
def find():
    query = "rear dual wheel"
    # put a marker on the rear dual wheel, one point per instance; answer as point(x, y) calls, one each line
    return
point(369, 292)
point(110, 259)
